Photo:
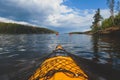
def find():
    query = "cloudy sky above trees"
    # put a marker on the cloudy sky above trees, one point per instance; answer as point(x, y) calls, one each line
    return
point(60, 15)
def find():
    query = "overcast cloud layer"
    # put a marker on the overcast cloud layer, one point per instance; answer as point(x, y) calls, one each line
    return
point(52, 14)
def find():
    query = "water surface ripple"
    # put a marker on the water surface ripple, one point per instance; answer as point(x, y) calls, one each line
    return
point(20, 53)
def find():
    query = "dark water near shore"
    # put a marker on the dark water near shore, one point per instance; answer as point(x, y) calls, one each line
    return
point(20, 54)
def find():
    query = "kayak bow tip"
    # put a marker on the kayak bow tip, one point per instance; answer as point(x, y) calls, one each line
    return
point(59, 47)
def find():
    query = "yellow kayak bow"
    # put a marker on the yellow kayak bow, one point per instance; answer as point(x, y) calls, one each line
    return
point(59, 67)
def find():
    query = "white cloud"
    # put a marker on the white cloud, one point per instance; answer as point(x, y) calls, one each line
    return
point(54, 13)
point(105, 13)
point(6, 20)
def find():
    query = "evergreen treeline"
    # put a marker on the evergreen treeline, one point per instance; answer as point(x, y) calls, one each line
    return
point(112, 21)
point(108, 22)
point(13, 28)
point(76, 33)
point(96, 23)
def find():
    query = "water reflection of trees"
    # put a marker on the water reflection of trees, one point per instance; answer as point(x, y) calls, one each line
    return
point(95, 40)
point(108, 45)
point(113, 49)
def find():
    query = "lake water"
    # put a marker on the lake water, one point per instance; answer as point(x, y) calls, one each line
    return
point(20, 54)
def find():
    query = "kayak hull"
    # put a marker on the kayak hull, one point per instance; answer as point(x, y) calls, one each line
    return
point(59, 66)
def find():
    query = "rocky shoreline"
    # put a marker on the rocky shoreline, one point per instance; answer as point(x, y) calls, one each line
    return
point(108, 31)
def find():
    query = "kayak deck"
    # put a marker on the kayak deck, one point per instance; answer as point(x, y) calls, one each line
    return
point(59, 68)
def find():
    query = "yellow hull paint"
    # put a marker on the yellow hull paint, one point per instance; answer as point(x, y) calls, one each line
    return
point(59, 68)
point(62, 76)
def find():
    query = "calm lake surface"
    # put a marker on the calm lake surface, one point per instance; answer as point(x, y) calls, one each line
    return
point(21, 54)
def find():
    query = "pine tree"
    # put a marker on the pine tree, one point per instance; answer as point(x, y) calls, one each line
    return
point(97, 18)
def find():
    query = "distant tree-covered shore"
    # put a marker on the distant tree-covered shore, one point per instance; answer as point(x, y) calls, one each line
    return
point(13, 28)
point(110, 25)
point(106, 26)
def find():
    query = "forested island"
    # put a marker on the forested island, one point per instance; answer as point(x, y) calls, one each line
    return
point(13, 28)
point(76, 33)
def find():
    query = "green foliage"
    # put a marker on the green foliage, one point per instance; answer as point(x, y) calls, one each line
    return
point(76, 32)
point(97, 18)
point(107, 23)
point(111, 21)
point(12, 28)
point(117, 20)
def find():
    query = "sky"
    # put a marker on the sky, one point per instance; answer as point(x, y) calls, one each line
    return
point(60, 15)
